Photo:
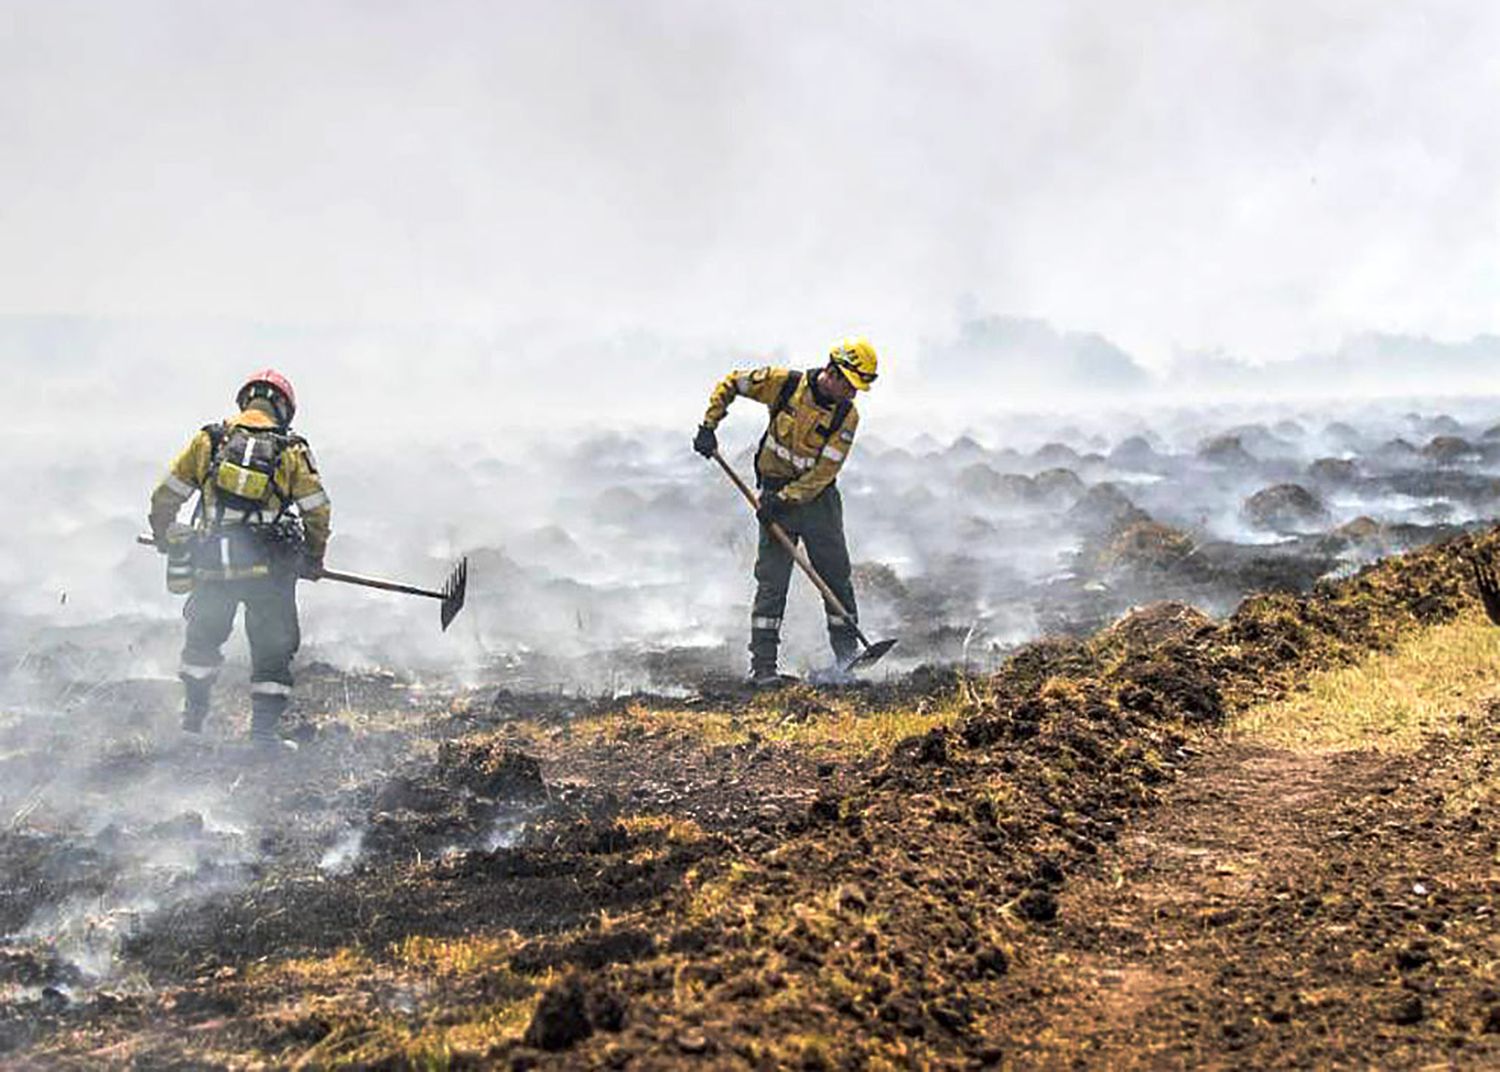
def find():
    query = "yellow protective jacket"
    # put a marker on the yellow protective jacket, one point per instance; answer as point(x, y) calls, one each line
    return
point(296, 482)
point(799, 446)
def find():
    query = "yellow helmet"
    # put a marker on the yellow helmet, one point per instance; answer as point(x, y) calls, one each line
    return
point(855, 358)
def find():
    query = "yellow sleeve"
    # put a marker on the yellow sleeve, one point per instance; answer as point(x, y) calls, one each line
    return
point(762, 384)
point(182, 478)
point(310, 498)
point(835, 452)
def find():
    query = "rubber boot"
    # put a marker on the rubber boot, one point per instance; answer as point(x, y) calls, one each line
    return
point(195, 703)
point(845, 644)
point(265, 719)
point(763, 648)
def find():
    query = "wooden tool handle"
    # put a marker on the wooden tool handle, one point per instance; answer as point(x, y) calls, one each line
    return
point(799, 556)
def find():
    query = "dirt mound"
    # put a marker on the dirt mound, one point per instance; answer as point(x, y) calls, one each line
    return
point(1226, 451)
point(487, 768)
point(1135, 452)
point(1153, 625)
point(1055, 455)
point(1333, 471)
point(1396, 452)
point(1145, 547)
point(982, 482)
point(1104, 509)
point(1260, 441)
point(1058, 487)
point(457, 801)
point(1363, 532)
point(1449, 450)
point(1284, 508)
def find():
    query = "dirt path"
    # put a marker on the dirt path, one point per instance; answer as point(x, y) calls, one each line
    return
point(1286, 909)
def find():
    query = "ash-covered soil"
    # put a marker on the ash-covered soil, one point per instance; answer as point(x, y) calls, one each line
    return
point(481, 878)
point(1289, 910)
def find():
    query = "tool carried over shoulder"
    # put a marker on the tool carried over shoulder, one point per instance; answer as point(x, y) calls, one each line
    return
point(873, 653)
point(451, 594)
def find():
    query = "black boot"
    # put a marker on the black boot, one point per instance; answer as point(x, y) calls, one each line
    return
point(196, 692)
point(763, 647)
point(845, 644)
point(266, 710)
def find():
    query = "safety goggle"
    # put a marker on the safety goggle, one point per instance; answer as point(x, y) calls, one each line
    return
point(844, 362)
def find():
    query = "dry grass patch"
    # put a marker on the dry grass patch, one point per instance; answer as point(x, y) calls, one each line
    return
point(674, 829)
point(1387, 701)
point(826, 724)
point(339, 966)
point(846, 732)
point(455, 956)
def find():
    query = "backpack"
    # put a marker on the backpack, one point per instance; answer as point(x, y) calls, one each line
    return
point(243, 469)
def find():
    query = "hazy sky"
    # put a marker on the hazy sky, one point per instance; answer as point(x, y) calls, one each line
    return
point(1259, 177)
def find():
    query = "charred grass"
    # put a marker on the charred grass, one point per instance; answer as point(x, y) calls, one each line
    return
point(896, 911)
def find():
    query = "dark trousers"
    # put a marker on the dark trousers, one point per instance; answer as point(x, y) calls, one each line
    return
point(270, 624)
point(819, 526)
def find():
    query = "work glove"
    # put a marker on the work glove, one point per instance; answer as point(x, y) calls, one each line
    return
point(772, 508)
point(309, 567)
point(706, 441)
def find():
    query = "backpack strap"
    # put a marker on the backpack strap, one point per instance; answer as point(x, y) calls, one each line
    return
point(216, 434)
point(783, 399)
point(788, 389)
point(835, 422)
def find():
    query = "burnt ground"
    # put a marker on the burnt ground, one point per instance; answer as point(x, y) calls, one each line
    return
point(1283, 909)
point(1062, 865)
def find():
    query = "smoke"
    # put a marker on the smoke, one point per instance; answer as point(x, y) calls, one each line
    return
point(1256, 180)
point(608, 559)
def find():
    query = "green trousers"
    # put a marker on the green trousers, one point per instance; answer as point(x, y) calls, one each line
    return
point(819, 526)
point(272, 628)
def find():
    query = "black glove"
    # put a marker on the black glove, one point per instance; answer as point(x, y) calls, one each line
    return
point(772, 508)
point(705, 442)
point(159, 538)
point(309, 568)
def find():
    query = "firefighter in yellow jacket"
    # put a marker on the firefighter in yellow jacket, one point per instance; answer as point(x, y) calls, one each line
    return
point(262, 521)
point(807, 440)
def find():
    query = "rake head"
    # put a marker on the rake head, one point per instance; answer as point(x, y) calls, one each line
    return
point(454, 590)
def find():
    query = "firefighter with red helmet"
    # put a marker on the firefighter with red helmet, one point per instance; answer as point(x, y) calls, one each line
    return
point(262, 521)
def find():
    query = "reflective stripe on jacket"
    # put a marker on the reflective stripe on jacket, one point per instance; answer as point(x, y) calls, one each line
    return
point(796, 448)
point(296, 477)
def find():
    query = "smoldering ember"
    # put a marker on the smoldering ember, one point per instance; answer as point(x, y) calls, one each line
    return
point(735, 536)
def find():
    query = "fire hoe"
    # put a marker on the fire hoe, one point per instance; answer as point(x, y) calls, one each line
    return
point(451, 594)
point(873, 653)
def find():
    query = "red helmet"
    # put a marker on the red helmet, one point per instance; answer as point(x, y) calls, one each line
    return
point(275, 388)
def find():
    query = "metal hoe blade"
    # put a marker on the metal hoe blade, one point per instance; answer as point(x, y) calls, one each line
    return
point(870, 656)
point(454, 591)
